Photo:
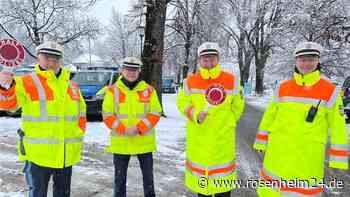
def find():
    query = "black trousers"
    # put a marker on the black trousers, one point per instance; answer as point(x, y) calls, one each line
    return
point(226, 194)
point(38, 178)
point(121, 163)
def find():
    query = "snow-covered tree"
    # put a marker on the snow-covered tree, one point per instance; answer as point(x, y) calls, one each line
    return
point(322, 21)
point(61, 20)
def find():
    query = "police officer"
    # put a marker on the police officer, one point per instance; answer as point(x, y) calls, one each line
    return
point(212, 103)
point(294, 130)
point(131, 110)
point(53, 121)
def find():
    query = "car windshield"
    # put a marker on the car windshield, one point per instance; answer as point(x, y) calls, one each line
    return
point(167, 82)
point(93, 78)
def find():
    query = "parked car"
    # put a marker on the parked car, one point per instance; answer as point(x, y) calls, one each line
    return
point(90, 83)
point(105, 68)
point(169, 86)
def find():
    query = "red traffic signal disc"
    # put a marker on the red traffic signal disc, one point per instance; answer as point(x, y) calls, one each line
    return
point(215, 94)
point(11, 53)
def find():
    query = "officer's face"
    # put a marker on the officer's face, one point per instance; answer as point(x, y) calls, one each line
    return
point(209, 61)
point(49, 62)
point(131, 74)
point(307, 64)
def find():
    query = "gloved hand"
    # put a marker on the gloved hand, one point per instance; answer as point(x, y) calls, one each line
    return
point(202, 116)
point(6, 79)
point(131, 131)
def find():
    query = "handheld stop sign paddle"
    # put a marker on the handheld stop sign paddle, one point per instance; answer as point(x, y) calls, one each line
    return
point(11, 56)
point(215, 95)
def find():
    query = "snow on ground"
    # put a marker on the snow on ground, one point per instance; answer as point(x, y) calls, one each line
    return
point(8, 125)
point(95, 162)
point(170, 130)
point(258, 101)
point(96, 132)
point(11, 194)
point(7, 157)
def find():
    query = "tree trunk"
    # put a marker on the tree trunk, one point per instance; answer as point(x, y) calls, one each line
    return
point(259, 78)
point(154, 44)
point(244, 59)
point(260, 62)
point(185, 69)
point(195, 66)
point(123, 48)
point(246, 69)
point(179, 73)
point(241, 63)
point(186, 65)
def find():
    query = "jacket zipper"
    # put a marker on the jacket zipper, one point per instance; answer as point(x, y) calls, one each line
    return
point(64, 146)
point(64, 155)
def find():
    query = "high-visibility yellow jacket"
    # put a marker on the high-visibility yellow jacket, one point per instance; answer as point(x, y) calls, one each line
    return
point(295, 148)
point(53, 117)
point(124, 108)
point(210, 146)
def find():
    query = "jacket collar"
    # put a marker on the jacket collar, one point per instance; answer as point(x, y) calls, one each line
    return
point(309, 79)
point(139, 87)
point(211, 73)
point(130, 85)
point(49, 74)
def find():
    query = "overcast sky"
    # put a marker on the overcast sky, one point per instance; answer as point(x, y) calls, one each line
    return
point(103, 9)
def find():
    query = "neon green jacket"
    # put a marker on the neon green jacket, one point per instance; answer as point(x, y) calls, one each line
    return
point(295, 148)
point(210, 146)
point(53, 117)
point(124, 108)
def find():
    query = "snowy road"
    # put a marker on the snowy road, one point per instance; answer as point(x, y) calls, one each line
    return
point(94, 176)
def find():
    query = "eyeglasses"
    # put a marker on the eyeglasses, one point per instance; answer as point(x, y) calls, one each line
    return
point(307, 59)
point(54, 59)
point(129, 69)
